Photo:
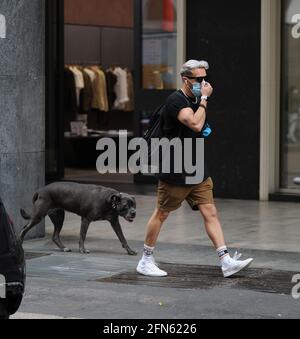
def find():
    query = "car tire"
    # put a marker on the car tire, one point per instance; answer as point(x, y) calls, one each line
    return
point(13, 303)
point(3, 311)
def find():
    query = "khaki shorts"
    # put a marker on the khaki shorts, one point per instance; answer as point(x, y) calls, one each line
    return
point(170, 198)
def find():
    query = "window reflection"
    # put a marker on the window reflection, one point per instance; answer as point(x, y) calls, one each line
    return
point(159, 42)
point(290, 152)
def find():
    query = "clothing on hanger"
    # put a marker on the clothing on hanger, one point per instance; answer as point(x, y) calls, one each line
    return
point(111, 80)
point(79, 81)
point(91, 74)
point(129, 106)
point(100, 100)
point(86, 94)
point(121, 88)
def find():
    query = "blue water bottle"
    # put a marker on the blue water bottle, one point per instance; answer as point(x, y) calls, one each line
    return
point(207, 131)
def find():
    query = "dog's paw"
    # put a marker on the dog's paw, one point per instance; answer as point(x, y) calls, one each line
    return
point(131, 252)
point(67, 250)
point(84, 251)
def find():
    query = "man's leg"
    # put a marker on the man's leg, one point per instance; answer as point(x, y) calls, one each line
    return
point(147, 265)
point(215, 232)
point(154, 227)
point(212, 224)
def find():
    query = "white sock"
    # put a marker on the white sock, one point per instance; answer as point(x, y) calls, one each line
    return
point(224, 256)
point(148, 252)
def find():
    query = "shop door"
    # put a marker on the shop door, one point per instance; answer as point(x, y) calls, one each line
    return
point(155, 60)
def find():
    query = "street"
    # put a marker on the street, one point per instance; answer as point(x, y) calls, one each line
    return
point(104, 285)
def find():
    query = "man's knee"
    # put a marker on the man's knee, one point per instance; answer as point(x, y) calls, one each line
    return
point(162, 215)
point(209, 211)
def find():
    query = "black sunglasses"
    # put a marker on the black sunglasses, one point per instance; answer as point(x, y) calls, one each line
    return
point(198, 79)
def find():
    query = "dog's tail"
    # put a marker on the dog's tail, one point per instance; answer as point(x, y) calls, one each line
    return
point(25, 215)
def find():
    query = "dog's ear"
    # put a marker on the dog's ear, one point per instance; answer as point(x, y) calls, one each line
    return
point(115, 200)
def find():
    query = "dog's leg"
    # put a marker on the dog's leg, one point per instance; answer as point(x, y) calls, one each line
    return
point(83, 232)
point(58, 217)
point(39, 212)
point(117, 228)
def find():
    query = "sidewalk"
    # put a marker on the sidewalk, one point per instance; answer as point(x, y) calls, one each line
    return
point(104, 284)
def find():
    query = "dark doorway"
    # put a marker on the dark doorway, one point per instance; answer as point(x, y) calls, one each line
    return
point(228, 35)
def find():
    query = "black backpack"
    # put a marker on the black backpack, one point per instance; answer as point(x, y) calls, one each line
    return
point(155, 130)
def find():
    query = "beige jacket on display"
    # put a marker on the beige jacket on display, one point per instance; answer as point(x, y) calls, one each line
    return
point(100, 100)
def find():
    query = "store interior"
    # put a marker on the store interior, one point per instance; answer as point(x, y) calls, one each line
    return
point(98, 83)
point(110, 64)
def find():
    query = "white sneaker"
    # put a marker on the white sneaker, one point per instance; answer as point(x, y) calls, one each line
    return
point(149, 269)
point(235, 267)
point(154, 261)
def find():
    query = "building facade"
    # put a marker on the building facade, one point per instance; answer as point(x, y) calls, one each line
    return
point(22, 105)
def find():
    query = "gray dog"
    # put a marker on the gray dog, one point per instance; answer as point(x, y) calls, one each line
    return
point(91, 203)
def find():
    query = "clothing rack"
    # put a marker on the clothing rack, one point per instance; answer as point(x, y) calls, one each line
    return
point(100, 47)
point(104, 110)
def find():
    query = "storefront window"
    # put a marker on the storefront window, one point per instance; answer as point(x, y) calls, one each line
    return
point(159, 43)
point(290, 151)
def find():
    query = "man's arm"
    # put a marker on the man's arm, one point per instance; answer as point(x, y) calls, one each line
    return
point(196, 121)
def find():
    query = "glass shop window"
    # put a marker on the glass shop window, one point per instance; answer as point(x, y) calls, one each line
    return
point(290, 119)
point(159, 44)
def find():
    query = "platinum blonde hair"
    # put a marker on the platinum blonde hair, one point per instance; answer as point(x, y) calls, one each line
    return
point(189, 66)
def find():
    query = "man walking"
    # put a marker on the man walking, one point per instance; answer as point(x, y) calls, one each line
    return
point(185, 117)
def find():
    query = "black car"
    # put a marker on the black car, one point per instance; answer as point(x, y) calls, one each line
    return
point(12, 266)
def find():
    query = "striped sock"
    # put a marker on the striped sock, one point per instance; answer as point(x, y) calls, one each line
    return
point(224, 255)
point(148, 251)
